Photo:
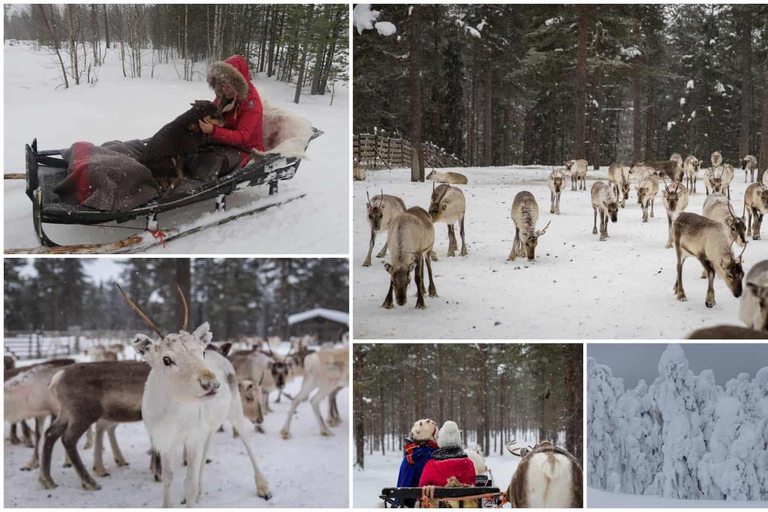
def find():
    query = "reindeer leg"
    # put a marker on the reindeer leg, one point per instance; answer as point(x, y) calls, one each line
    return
point(513, 252)
point(461, 232)
point(710, 302)
point(603, 230)
point(315, 401)
point(594, 226)
point(749, 221)
point(679, 283)
point(432, 289)
point(116, 453)
point(166, 461)
point(653, 200)
point(419, 283)
point(237, 419)
point(452, 244)
point(14, 438)
point(383, 251)
point(367, 262)
point(552, 202)
point(388, 300)
point(34, 462)
point(194, 449)
point(202, 464)
point(669, 231)
point(307, 386)
point(74, 431)
point(98, 449)
point(759, 223)
point(88, 438)
point(52, 435)
point(557, 209)
point(334, 419)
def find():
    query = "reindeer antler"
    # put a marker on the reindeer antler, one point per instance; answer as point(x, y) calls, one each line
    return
point(186, 309)
point(730, 210)
point(141, 314)
point(541, 233)
point(665, 184)
point(368, 196)
point(742, 251)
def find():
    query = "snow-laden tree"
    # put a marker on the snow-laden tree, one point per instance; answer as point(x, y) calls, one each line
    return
point(641, 440)
point(606, 423)
point(682, 437)
point(761, 433)
point(707, 393)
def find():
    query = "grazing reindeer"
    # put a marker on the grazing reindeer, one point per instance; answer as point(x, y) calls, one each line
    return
point(184, 402)
point(718, 208)
point(382, 210)
point(448, 205)
point(749, 166)
point(327, 370)
point(713, 179)
point(453, 178)
point(677, 157)
point(705, 240)
point(675, 200)
point(666, 169)
point(618, 175)
point(556, 184)
point(604, 201)
point(105, 393)
point(578, 171)
point(525, 213)
point(411, 239)
point(547, 477)
point(753, 309)
point(755, 206)
point(647, 189)
point(691, 169)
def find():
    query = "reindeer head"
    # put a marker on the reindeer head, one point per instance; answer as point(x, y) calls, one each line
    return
point(431, 175)
point(674, 196)
point(400, 276)
point(376, 211)
point(438, 203)
point(695, 163)
point(178, 360)
point(279, 370)
point(737, 228)
point(716, 158)
point(252, 396)
point(744, 162)
point(531, 240)
point(569, 163)
point(716, 180)
point(761, 294)
point(733, 273)
point(558, 179)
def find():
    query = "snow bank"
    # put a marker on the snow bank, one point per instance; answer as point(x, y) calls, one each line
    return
point(672, 356)
point(364, 17)
point(386, 28)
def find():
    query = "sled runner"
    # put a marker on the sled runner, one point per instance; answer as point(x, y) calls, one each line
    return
point(46, 169)
point(489, 496)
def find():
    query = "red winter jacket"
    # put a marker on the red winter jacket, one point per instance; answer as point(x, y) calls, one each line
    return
point(243, 124)
point(437, 472)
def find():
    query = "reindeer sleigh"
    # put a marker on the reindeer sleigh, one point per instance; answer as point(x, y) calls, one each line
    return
point(61, 195)
point(547, 477)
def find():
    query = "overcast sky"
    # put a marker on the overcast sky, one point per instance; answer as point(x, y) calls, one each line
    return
point(633, 362)
point(97, 269)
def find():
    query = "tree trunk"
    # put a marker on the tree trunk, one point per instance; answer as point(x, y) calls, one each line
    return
point(331, 52)
point(418, 380)
point(273, 33)
point(72, 44)
point(636, 149)
point(440, 397)
point(581, 84)
point(746, 83)
point(570, 400)
point(95, 36)
point(55, 42)
point(488, 116)
point(303, 63)
point(184, 280)
point(472, 117)
point(650, 123)
point(763, 158)
point(186, 45)
point(417, 151)
point(283, 299)
point(264, 31)
point(106, 25)
point(597, 137)
point(358, 413)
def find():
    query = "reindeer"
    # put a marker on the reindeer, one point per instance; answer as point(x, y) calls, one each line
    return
point(641, 170)
point(255, 366)
point(727, 332)
point(749, 166)
point(453, 178)
point(525, 214)
point(547, 477)
point(670, 169)
point(718, 208)
point(677, 157)
point(705, 240)
point(753, 309)
point(327, 371)
point(691, 169)
point(382, 210)
point(728, 175)
point(713, 179)
point(755, 206)
point(618, 175)
point(675, 200)
point(448, 205)
point(184, 402)
point(578, 171)
point(604, 201)
point(556, 184)
point(716, 158)
point(358, 172)
point(105, 393)
point(646, 194)
point(411, 239)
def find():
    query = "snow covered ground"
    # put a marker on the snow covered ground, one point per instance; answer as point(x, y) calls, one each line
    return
point(381, 471)
point(603, 499)
point(578, 287)
point(124, 108)
point(306, 471)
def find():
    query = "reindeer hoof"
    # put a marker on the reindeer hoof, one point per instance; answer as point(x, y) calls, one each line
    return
point(421, 306)
point(463, 252)
point(121, 463)
point(265, 494)
point(47, 482)
point(285, 434)
point(67, 465)
point(594, 231)
point(326, 433)
point(710, 304)
point(101, 472)
point(367, 263)
point(158, 478)
point(433, 294)
point(451, 254)
point(433, 255)
point(27, 468)
point(682, 298)
point(91, 486)
point(668, 246)
point(387, 305)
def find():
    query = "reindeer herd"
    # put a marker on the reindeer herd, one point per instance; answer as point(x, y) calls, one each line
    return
point(709, 237)
point(184, 390)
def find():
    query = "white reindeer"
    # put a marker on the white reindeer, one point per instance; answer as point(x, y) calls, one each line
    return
point(691, 169)
point(749, 166)
point(547, 477)
point(189, 392)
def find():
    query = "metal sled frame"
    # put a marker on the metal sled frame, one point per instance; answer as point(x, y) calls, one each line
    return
point(268, 170)
point(391, 495)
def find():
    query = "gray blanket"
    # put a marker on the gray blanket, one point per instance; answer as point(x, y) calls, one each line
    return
point(107, 177)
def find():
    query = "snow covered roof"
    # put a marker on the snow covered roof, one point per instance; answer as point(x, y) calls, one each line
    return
point(328, 314)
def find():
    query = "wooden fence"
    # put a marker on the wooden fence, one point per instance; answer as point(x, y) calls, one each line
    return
point(377, 152)
point(39, 345)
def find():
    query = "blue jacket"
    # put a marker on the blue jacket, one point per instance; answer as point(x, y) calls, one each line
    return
point(416, 456)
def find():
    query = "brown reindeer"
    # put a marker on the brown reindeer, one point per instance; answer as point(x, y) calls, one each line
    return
point(547, 477)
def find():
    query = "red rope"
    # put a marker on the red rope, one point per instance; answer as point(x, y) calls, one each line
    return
point(158, 234)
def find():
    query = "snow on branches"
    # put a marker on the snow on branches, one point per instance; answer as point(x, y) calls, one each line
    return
point(682, 437)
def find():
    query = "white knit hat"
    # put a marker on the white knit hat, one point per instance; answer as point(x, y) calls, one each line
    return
point(424, 430)
point(449, 435)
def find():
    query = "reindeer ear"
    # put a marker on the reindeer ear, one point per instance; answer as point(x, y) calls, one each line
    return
point(203, 334)
point(225, 348)
point(388, 267)
point(141, 344)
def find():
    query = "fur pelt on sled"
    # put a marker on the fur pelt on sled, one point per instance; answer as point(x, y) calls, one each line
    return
point(285, 133)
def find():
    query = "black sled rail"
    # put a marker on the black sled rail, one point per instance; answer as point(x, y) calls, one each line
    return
point(394, 497)
point(45, 169)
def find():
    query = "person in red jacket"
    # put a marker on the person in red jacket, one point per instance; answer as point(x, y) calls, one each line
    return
point(240, 104)
point(450, 460)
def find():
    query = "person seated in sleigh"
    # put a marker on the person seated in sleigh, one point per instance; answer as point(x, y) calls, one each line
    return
point(449, 461)
point(419, 446)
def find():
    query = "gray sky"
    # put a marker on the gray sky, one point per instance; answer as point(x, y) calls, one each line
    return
point(632, 361)
point(97, 269)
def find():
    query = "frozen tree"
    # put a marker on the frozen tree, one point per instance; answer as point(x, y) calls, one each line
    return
point(604, 427)
point(641, 440)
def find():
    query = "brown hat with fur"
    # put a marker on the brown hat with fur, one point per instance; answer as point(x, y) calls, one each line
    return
point(233, 71)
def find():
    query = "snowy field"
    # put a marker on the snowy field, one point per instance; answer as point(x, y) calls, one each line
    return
point(291, 467)
point(578, 287)
point(381, 471)
point(124, 108)
point(602, 499)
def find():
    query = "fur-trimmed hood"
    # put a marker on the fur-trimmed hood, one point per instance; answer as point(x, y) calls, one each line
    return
point(233, 71)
